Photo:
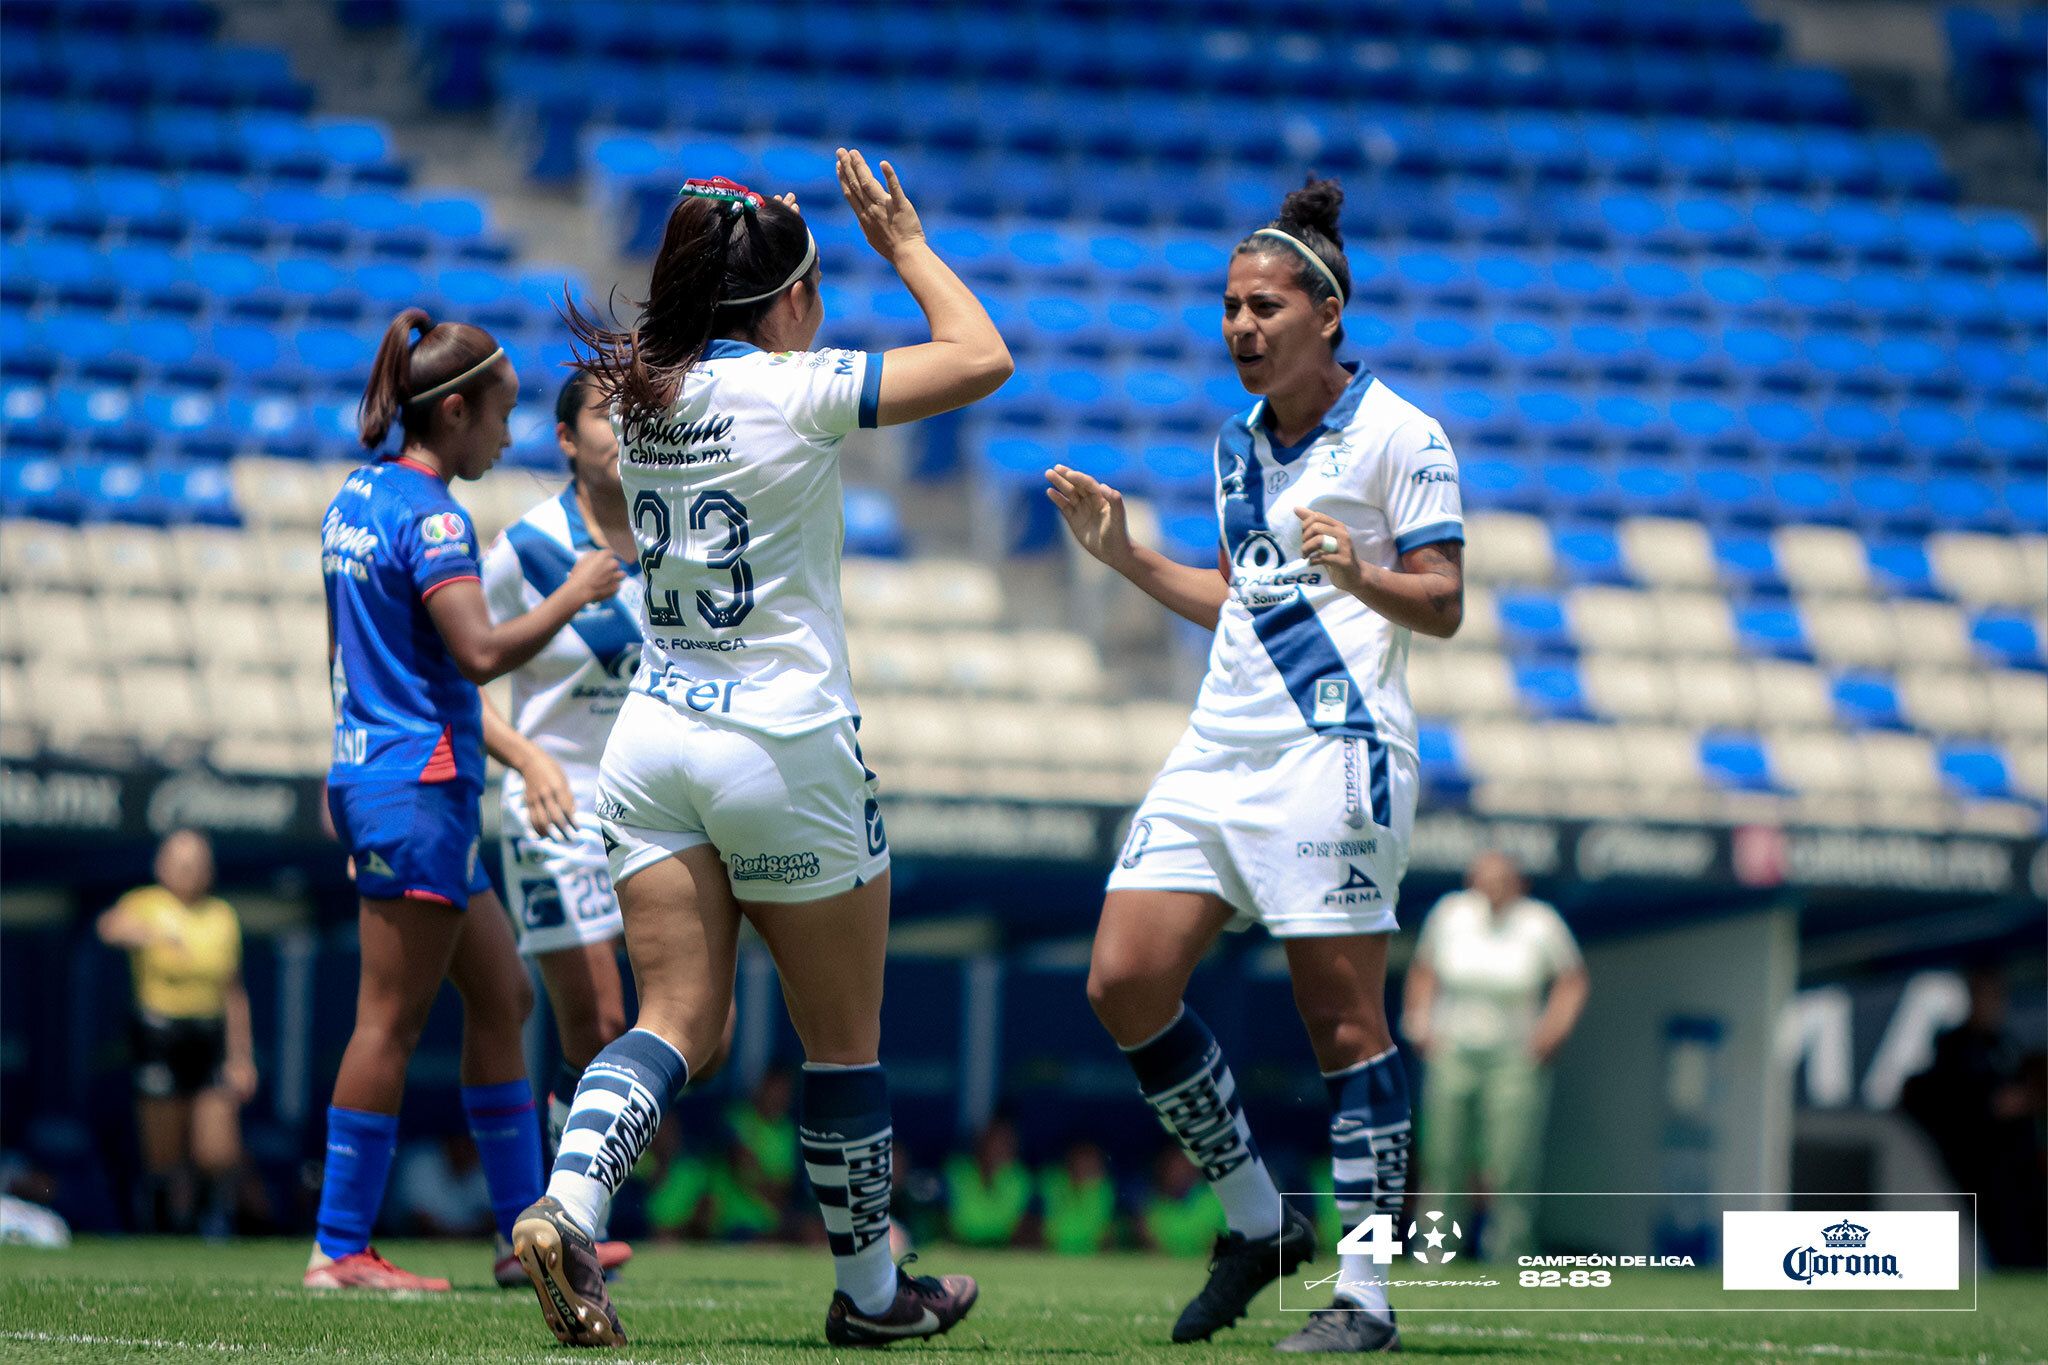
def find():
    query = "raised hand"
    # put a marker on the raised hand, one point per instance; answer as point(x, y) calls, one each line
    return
point(1094, 512)
point(887, 218)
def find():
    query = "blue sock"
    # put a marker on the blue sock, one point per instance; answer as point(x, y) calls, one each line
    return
point(1181, 1073)
point(359, 1148)
point(619, 1104)
point(1370, 1138)
point(848, 1146)
point(507, 1133)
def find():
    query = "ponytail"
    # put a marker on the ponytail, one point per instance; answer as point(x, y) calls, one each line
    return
point(722, 242)
point(407, 373)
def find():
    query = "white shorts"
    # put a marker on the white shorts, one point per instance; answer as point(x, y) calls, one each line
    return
point(793, 816)
point(559, 892)
point(1308, 838)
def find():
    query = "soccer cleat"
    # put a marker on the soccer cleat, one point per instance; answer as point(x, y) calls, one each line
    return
point(1344, 1328)
point(562, 1263)
point(925, 1306)
point(365, 1269)
point(511, 1275)
point(1239, 1268)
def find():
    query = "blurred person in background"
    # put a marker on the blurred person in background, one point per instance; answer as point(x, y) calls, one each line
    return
point(411, 641)
point(1180, 1215)
point(195, 1064)
point(1496, 986)
point(1078, 1201)
point(732, 788)
point(988, 1190)
point(1981, 1100)
point(440, 1187)
point(1290, 800)
point(753, 1189)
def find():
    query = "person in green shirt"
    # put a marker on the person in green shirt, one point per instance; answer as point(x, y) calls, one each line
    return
point(1079, 1202)
point(1181, 1216)
point(751, 1189)
point(988, 1192)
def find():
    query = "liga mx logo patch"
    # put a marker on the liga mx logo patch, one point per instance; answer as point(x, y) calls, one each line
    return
point(441, 528)
point(1333, 701)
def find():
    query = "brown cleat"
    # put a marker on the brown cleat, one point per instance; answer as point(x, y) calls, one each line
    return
point(562, 1262)
point(925, 1306)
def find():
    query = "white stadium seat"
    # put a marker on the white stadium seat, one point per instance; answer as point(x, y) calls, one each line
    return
point(1478, 627)
point(1507, 547)
point(41, 554)
point(1056, 663)
point(1932, 633)
point(1823, 560)
point(1624, 688)
point(215, 561)
point(20, 734)
point(1981, 569)
point(62, 625)
point(77, 708)
point(1668, 552)
point(1850, 633)
point(1791, 694)
point(1661, 756)
point(164, 708)
point(149, 629)
point(2027, 763)
point(1615, 621)
point(1945, 701)
point(1695, 623)
point(1715, 693)
point(2018, 702)
point(289, 561)
point(131, 559)
point(1899, 765)
point(1441, 683)
point(1819, 761)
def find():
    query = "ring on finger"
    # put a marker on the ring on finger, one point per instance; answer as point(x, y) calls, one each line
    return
point(1327, 545)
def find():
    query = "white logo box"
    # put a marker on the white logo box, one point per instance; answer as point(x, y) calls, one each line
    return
point(1882, 1249)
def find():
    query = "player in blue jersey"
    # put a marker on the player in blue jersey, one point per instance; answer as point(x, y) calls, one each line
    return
point(1290, 799)
point(411, 639)
point(732, 784)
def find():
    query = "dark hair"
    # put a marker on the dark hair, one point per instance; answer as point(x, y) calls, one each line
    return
point(571, 398)
point(404, 367)
point(1310, 216)
point(712, 248)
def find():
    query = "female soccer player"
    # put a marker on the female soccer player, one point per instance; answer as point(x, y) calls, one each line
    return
point(1289, 800)
point(564, 700)
point(411, 640)
point(732, 784)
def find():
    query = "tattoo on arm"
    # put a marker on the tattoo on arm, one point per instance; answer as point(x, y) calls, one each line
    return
point(1445, 561)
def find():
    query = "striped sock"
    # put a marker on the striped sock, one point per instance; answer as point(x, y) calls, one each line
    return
point(1369, 1149)
point(1182, 1076)
point(560, 1095)
point(847, 1143)
point(618, 1105)
point(359, 1149)
point(507, 1134)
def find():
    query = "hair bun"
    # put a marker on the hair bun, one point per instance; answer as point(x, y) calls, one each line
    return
point(1317, 204)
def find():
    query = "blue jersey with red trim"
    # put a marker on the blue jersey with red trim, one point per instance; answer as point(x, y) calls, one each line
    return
point(402, 709)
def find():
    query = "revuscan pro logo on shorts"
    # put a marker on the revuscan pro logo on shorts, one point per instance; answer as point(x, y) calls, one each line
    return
point(1867, 1249)
point(441, 527)
point(774, 867)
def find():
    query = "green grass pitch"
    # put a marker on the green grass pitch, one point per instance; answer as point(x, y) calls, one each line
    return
point(179, 1302)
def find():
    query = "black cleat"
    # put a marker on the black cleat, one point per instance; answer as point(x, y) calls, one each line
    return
point(1346, 1329)
point(1239, 1268)
point(925, 1306)
point(563, 1264)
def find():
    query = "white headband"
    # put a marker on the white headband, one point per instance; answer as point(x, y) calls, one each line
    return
point(803, 268)
point(1309, 256)
point(448, 385)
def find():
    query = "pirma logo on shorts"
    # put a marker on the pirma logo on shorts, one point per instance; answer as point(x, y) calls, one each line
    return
point(774, 867)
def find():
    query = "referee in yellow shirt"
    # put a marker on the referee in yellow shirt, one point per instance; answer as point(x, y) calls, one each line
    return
point(194, 1063)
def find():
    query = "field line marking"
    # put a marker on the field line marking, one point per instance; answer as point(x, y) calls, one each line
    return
point(1830, 1350)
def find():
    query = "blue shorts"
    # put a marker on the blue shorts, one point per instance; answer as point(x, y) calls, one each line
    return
point(415, 839)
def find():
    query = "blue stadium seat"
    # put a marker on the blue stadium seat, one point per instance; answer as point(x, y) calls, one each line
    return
point(1534, 622)
point(873, 526)
point(1747, 562)
point(1551, 688)
point(1974, 771)
point(1587, 552)
point(1899, 566)
point(2006, 639)
point(1867, 701)
point(1773, 629)
point(1444, 773)
point(1736, 761)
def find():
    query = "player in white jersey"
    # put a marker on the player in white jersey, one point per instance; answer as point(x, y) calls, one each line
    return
point(732, 784)
point(1290, 798)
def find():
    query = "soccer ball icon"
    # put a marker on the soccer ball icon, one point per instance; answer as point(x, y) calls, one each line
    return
point(1430, 1228)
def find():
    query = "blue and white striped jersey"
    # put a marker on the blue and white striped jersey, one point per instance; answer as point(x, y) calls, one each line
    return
point(565, 698)
point(1294, 654)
